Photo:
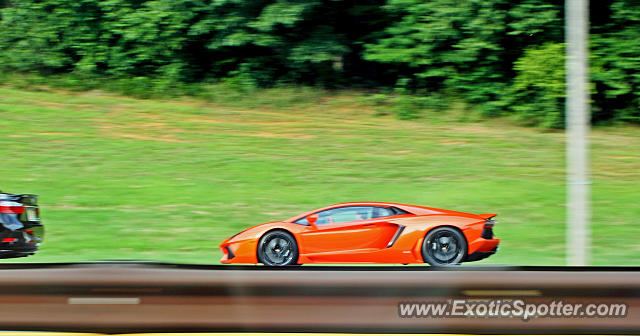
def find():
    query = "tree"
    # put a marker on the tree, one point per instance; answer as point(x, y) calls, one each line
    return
point(538, 93)
point(47, 36)
point(468, 49)
point(616, 60)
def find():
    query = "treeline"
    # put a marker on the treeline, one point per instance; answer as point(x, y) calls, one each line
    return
point(503, 56)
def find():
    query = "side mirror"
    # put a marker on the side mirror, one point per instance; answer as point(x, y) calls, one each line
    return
point(312, 219)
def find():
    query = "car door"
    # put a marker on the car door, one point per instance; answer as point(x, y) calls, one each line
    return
point(349, 228)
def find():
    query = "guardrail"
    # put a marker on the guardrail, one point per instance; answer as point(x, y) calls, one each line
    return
point(148, 297)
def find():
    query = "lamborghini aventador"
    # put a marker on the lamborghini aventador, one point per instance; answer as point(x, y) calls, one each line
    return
point(367, 232)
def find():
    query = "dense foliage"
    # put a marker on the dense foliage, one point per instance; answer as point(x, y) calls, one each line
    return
point(503, 56)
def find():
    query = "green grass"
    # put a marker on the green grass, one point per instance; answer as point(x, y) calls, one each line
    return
point(122, 178)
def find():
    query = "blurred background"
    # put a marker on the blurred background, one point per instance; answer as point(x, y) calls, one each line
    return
point(154, 130)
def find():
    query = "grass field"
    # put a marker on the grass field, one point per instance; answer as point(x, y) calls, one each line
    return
point(121, 178)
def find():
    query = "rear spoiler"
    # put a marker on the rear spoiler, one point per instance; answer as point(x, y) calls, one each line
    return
point(487, 216)
point(26, 199)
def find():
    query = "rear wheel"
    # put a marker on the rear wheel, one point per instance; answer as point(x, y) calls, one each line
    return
point(444, 246)
point(277, 248)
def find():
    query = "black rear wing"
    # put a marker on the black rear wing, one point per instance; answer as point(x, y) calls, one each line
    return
point(26, 199)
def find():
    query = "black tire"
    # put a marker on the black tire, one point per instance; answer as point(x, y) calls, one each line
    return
point(277, 248)
point(444, 246)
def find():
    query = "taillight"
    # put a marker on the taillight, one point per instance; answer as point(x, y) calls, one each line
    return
point(11, 208)
point(489, 223)
point(487, 231)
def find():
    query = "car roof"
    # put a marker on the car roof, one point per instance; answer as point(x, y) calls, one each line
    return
point(413, 209)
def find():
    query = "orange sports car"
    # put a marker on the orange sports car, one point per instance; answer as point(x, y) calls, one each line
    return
point(366, 232)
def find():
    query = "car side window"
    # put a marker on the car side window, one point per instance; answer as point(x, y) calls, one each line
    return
point(344, 214)
point(382, 212)
point(349, 214)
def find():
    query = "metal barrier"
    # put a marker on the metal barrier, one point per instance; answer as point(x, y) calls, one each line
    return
point(149, 297)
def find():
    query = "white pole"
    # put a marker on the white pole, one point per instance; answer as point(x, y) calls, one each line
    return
point(577, 123)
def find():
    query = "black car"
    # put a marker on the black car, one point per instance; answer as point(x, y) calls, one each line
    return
point(21, 230)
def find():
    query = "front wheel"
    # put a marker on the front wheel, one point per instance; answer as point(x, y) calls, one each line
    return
point(277, 248)
point(444, 246)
